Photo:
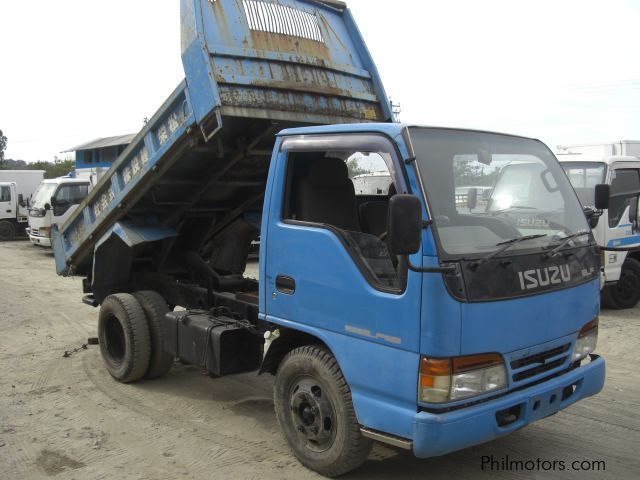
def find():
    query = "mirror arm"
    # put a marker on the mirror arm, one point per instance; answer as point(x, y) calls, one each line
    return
point(451, 269)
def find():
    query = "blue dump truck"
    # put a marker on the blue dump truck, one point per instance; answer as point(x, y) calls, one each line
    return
point(409, 317)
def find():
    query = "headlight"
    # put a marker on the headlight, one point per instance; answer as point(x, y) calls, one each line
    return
point(449, 379)
point(44, 231)
point(587, 341)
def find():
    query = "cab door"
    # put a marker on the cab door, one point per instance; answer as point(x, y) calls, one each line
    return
point(620, 231)
point(327, 270)
point(7, 201)
point(66, 200)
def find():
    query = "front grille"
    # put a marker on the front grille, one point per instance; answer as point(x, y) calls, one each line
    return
point(539, 363)
point(34, 231)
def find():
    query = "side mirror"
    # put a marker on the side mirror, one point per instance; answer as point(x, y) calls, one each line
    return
point(593, 216)
point(47, 206)
point(634, 215)
point(21, 200)
point(602, 196)
point(472, 198)
point(404, 224)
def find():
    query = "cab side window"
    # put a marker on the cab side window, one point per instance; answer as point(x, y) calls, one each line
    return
point(5, 194)
point(346, 192)
point(624, 187)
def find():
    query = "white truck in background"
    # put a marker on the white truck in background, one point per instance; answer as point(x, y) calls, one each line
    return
point(16, 186)
point(617, 228)
point(54, 201)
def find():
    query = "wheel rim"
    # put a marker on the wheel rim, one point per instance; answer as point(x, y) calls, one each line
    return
point(627, 287)
point(115, 342)
point(312, 414)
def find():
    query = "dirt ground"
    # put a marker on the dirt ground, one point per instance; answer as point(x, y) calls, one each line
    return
point(66, 417)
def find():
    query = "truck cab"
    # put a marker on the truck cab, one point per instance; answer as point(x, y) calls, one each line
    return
point(9, 211)
point(16, 188)
point(52, 204)
point(490, 336)
point(616, 227)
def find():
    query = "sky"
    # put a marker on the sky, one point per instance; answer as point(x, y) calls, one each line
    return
point(563, 71)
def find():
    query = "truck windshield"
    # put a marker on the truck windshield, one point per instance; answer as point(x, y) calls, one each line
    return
point(584, 176)
point(43, 194)
point(484, 189)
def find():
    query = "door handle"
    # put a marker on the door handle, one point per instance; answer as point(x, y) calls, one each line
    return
point(285, 284)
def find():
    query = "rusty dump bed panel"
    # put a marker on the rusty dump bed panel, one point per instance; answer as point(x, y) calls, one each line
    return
point(289, 60)
point(198, 168)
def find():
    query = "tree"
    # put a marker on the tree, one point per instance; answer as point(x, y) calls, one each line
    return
point(354, 168)
point(57, 168)
point(470, 173)
point(3, 146)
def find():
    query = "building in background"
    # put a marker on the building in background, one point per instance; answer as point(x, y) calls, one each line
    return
point(96, 157)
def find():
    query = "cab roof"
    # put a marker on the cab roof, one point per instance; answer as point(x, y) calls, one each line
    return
point(390, 129)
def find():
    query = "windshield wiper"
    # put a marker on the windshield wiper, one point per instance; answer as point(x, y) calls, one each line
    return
point(504, 246)
point(565, 242)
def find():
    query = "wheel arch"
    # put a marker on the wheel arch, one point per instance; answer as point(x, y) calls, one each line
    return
point(288, 340)
point(635, 255)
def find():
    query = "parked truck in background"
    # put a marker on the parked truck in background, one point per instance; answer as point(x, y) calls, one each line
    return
point(432, 327)
point(617, 165)
point(16, 187)
point(53, 202)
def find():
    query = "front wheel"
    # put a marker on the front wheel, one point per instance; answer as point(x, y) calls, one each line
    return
point(7, 231)
point(314, 410)
point(626, 292)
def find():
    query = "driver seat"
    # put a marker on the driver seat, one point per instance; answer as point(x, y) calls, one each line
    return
point(326, 195)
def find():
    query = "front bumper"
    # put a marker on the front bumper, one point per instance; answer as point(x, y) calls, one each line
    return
point(437, 434)
point(38, 240)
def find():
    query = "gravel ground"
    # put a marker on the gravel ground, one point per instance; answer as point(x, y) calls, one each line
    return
point(66, 417)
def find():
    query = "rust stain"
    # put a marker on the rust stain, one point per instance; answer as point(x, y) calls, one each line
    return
point(222, 22)
point(302, 87)
point(299, 102)
point(276, 42)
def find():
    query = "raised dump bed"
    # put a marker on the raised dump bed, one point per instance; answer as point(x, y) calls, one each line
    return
point(198, 168)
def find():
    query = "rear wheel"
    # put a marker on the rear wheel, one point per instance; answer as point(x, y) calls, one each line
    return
point(626, 292)
point(314, 410)
point(7, 231)
point(155, 308)
point(124, 338)
point(605, 298)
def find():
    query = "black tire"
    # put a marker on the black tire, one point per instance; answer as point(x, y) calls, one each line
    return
point(605, 298)
point(626, 292)
point(313, 407)
point(124, 337)
point(7, 231)
point(155, 308)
